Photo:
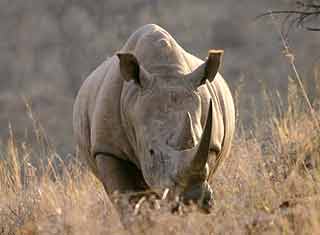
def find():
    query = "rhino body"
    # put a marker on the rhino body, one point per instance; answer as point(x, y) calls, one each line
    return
point(143, 112)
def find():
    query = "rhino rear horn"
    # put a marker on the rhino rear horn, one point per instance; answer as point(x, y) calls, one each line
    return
point(208, 70)
point(130, 69)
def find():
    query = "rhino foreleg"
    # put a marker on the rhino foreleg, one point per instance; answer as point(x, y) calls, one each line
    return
point(118, 175)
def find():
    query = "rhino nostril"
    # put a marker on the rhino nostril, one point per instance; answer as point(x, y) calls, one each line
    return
point(151, 151)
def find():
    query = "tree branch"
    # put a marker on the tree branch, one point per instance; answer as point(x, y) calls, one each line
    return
point(304, 13)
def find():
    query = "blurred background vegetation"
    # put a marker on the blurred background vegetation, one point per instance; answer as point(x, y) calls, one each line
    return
point(48, 48)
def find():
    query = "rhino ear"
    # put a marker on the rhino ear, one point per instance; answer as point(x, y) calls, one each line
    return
point(129, 67)
point(208, 70)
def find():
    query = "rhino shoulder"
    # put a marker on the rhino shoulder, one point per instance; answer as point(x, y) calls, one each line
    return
point(107, 133)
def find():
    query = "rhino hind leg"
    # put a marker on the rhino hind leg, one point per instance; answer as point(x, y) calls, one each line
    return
point(119, 175)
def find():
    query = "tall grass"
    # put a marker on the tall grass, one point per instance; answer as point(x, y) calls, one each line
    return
point(270, 185)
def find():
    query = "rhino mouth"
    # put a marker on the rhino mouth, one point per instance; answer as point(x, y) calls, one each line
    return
point(201, 193)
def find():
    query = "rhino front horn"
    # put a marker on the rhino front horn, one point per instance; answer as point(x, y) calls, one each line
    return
point(201, 151)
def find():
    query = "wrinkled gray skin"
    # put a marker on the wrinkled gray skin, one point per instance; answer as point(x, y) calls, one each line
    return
point(148, 117)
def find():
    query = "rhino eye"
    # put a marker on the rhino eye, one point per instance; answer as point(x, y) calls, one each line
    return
point(151, 151)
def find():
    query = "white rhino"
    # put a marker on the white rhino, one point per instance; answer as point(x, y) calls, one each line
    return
point(153, 116)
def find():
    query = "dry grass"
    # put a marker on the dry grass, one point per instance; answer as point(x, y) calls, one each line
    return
point(270, 185)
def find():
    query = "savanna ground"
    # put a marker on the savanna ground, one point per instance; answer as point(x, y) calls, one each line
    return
point(269, 185)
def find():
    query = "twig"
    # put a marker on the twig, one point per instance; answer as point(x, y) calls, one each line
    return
point(288, 12)
point(290, 55)
point(307, 5)
point(138, 205)
point(299, 16)
point(165, 194)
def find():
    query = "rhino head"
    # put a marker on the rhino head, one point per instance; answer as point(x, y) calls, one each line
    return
point(162, 114)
